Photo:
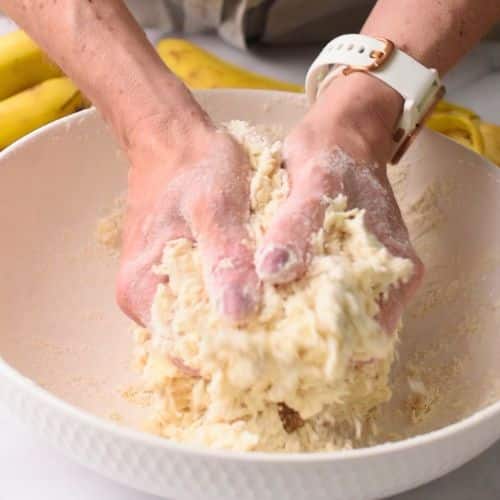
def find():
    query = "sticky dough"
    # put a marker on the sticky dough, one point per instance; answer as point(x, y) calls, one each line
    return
point(309, 371)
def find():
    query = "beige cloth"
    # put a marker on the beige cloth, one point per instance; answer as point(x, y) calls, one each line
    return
point(240, 22)
point(269, 21)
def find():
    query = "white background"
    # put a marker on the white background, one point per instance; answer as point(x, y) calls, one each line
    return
point(30, 470)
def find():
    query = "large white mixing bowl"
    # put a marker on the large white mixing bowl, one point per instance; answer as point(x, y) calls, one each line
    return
point(66, 347)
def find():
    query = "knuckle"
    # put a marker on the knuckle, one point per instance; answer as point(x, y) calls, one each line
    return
point(206, 209)
point(301, 139)
point(315, 179)
point(301, 218)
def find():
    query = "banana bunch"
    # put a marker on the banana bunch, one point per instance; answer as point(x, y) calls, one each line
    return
point(22, 64)
point(37, 106)
point(33, 90)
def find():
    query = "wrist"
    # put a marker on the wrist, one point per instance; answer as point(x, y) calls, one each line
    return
point(365, 109)
point(162, 121)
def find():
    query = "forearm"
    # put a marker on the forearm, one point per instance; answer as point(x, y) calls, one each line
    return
point(436, 33)
point(101, 47)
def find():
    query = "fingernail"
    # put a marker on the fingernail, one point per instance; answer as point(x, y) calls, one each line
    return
point(277, 264)
point(236, 302)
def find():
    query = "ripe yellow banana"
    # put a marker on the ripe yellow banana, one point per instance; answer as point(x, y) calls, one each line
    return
point(458, 126)
point(201, 70)
point(41, 104)
point(491, 138)
point(465, 126)
point(448, 107)
point(22, 64)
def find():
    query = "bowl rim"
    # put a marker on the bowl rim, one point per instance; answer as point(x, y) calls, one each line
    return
point(92, 111)
point(100, 424)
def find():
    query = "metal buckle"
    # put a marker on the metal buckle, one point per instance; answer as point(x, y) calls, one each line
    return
point(379, 57)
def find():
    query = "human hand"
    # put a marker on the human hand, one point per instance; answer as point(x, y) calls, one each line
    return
point(341, 146)
point(187, 179)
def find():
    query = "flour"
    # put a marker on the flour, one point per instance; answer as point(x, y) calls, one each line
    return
point(305, 374)
point(109, 228)
point(426, 214)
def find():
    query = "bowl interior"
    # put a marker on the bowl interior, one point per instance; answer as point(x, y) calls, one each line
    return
point(60, 325)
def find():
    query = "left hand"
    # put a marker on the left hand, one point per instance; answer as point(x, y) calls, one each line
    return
point(341, 146)
point(187, 179)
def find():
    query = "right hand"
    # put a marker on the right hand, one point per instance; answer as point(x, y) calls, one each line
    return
point(190, 181)
point(341, 146)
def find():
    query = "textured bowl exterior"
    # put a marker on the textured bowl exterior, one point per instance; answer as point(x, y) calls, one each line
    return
point(180, 472)
point(177, 472)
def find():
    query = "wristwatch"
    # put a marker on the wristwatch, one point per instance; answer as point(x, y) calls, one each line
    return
point(419, 86)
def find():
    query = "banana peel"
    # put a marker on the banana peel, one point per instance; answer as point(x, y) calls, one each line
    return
point(37, 106)
point(22, 64)
point(200, 69)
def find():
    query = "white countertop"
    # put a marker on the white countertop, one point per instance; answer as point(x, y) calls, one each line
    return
point(30, 469)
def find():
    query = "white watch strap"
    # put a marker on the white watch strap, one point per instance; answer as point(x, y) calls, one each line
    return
point(419, 86)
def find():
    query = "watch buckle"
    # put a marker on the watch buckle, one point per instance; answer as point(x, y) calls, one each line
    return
point(379, 58)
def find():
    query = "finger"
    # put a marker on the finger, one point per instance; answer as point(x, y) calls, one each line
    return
point(227, 255)
point(143, 246)
point(229, 271)
point(384, 220)
point(369, 189)
point(137, 284)
point(283, 256)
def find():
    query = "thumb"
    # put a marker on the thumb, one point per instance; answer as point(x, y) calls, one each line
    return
point(283, 256)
